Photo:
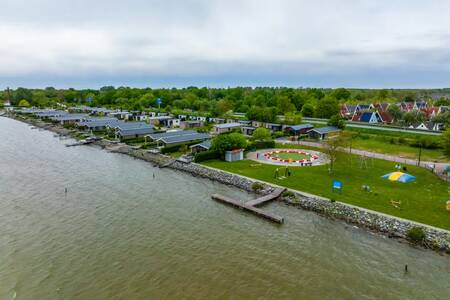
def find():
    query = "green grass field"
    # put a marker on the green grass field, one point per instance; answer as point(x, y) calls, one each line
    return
point(423, 200)
point(293, 156)
point(395, 143)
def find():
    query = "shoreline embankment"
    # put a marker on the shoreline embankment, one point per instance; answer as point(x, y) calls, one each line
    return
point(391, 226)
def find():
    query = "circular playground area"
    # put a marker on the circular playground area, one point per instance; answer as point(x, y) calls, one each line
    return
point(290, 157)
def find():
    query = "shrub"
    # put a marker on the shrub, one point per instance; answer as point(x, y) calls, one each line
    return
point(225, 142)
point(416, 234)
point(256, 186)
point(277, 134)
point(170, 149)
point(206, 155)
point(288, 194)
point(261, 145)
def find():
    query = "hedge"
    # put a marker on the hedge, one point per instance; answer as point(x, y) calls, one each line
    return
point(171, 149)
point(261, 145)
point(206, 155)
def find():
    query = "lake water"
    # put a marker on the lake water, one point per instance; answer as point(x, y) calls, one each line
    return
point(119, 233)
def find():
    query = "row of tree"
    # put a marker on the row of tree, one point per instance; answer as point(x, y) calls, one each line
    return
point(263, 103)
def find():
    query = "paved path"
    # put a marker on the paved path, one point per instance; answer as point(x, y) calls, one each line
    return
point(438, 167)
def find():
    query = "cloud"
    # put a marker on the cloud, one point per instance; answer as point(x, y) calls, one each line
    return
point(313, 41)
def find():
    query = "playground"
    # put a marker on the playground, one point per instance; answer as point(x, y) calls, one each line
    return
point(375, 184)
point(289, 157)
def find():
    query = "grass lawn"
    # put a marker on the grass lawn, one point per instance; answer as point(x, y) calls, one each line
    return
point(405, 151)
point(293, 156)
point(423, 200)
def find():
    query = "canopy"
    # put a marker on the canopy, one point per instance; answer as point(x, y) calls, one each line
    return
point(399, 176)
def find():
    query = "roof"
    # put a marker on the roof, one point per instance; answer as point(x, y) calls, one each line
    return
point(386, 117)
point(366, 116)
point(364, 106)
point(69, 117)
point(205, 144)
point(131, 125)
point(184, 138)
point(325, 130)
point(351, 108)
point(228, 125)
point(301, 126)
point(98, 123)
point(156, 136)
point(134, 131)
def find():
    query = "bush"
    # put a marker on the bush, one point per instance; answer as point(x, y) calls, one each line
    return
point(225, 142)
point(288, 194)
point(256, 186)
point(171, 149)
point(261, 145)
point(206, 155)
point(426, 142)
point(277, 134)
point(416, 234)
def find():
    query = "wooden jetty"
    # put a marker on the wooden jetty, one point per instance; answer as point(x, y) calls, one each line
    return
point(250, 206)
point(265, 199)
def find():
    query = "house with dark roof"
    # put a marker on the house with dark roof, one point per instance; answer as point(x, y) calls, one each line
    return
point(226, 127)
point(420, 105)
point(182, 139)
point(200, 147)
point(247, 130)
point(430, 112)
point(191, 124)
point(274, 127)
point(386, 117)
point(364, 107)
point(130, 130)
point(69, 118)
point(97, 124)
point(298, 129)
point(133, 133)
point(367, 117)
point(381, 106)
point(323, 132)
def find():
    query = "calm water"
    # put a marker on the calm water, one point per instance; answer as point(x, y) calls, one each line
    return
point(119, 233)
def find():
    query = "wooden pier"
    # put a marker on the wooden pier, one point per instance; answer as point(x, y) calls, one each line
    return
point(251, 206)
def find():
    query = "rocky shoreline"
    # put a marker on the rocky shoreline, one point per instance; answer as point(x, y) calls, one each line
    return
point(436, 239)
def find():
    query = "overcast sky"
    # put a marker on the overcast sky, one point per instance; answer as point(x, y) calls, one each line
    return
point(320, 43)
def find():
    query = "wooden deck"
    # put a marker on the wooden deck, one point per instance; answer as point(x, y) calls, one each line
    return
point(250, 206)
point(265, 199)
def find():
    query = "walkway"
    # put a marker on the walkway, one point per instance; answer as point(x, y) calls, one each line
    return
point(251, 206)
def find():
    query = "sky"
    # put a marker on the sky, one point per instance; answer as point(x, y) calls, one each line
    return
point(296, 43)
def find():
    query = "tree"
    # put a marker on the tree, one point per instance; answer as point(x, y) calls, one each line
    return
point(261, 134)
point(332, 145)
point(308, 110)
point(327, 107)
point(443, 118)
point(337, 121)
point(285, 105)
point(445, 142)
point(291, 118)
point(383, 94)
point(341, 94)
point(413, 116)
point(222, 107)
point(395, 112)
point(24, 103)
point(226, 142)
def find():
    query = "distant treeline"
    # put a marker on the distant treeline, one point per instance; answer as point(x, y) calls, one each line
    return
point(262, 103)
